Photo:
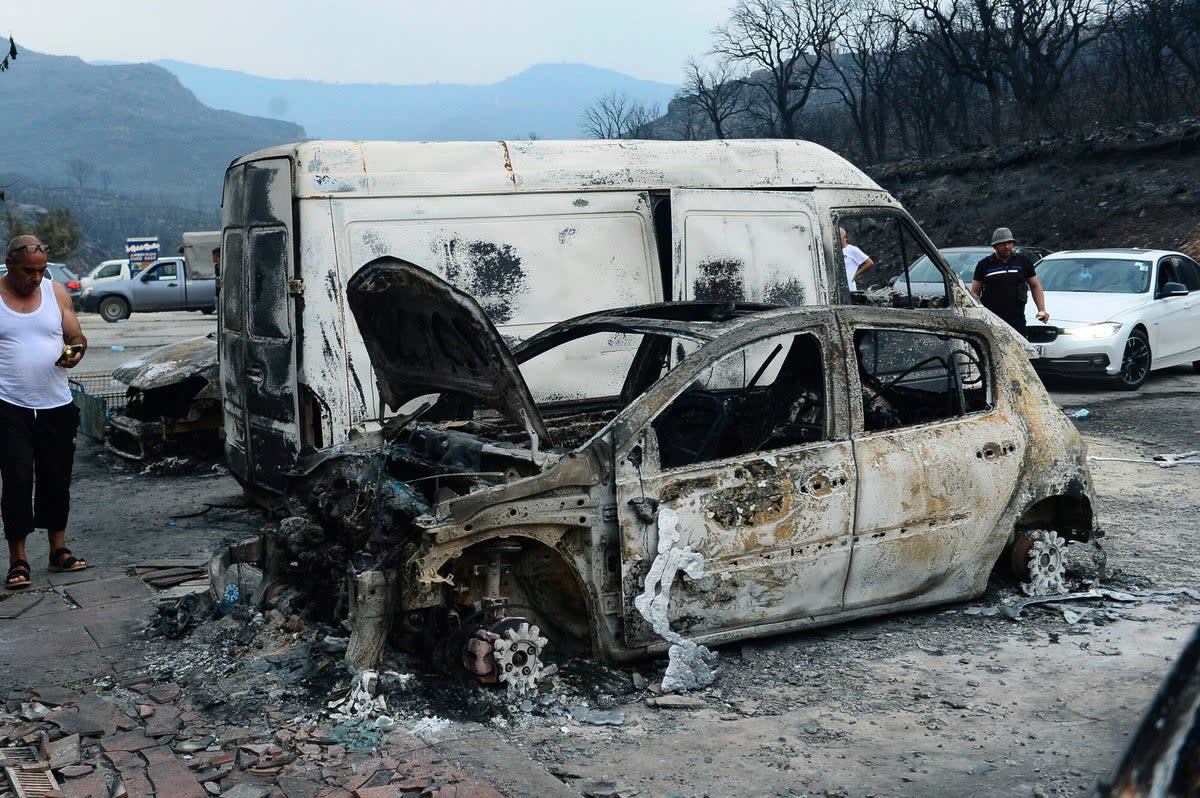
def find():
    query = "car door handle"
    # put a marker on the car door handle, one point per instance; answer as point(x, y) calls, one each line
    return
point(172, 285)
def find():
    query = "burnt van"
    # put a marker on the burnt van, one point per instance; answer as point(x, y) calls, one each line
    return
point(536, 232)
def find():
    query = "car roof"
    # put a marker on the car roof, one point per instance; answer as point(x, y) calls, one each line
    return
point(408, 168)
point(704, 321)
point(49, 274)
point(1126, 253)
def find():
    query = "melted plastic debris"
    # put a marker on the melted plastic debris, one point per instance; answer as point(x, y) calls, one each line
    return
point(688, 663)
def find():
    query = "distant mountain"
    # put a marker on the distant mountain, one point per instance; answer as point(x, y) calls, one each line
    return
point(137, 127)
point(547, 100)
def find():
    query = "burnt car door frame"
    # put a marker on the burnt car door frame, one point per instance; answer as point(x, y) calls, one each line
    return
point(914, 544)
point(768, 567)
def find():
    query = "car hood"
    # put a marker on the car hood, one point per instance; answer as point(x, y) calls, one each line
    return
point(425, 336)
point(170, 364)
point(1085, 307)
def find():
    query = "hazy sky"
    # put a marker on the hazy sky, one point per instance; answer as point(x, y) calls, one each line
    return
point(402, 41)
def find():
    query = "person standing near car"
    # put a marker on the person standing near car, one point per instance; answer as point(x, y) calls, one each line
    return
point(40, 338)
point(858, 262)
point(1004, 279)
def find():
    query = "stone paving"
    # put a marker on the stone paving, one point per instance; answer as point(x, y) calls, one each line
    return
point(73, 662)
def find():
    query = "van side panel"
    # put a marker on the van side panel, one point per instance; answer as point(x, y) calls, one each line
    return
point(530, 259)
point(750, 246)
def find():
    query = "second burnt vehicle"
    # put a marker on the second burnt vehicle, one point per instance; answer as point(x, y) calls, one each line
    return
point(748, 471)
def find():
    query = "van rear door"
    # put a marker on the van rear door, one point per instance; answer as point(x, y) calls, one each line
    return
point(258, 358)
point(747, 246)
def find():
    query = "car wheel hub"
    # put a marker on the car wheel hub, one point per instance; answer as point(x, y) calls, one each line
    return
point(1044, 563)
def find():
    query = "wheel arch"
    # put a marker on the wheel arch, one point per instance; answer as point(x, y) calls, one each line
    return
point(542, 580)
point(1069, 513)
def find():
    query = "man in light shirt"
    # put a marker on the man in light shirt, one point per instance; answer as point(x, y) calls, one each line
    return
point(40, 338)
point(858, 262)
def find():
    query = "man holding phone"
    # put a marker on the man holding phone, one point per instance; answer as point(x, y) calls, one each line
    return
point(40, 338)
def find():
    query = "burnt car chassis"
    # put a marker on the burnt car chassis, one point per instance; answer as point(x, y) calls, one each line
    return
point(173, 404)
point(754, 471)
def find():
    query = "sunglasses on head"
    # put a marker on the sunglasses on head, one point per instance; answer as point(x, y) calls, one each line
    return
point(30, 248)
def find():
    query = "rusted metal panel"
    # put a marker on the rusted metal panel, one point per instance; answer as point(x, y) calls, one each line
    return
point(774, 533)
point(621, 550)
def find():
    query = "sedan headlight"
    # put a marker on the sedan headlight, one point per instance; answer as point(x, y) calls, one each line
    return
point(1093, 332)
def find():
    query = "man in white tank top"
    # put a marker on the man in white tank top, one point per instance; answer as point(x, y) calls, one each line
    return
point(40, 338)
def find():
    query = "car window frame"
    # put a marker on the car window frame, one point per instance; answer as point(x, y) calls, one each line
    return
point(988, 367)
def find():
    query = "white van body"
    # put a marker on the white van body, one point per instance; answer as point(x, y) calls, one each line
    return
point(536, 231)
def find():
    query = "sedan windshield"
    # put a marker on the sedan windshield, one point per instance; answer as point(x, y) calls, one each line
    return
point(963, 262)
point(1098, 275)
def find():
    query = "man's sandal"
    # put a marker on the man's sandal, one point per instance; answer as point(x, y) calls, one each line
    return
point(18, 576)
point(61, 561)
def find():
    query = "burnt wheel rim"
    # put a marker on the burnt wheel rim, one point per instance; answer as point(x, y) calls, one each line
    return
point(1136, 362)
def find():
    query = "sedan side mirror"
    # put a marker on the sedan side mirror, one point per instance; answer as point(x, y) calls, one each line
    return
point(1172, 289)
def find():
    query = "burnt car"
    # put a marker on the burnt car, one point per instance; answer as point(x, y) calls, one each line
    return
point(721, 472)
point(173, 404)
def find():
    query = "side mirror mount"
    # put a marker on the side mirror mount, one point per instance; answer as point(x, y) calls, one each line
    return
point(1172, 289)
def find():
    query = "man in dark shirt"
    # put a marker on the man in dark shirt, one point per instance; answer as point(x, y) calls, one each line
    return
point(1003, 280)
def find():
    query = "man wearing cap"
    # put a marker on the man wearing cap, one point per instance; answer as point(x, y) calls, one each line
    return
point(1004, 279)
point(40, 338)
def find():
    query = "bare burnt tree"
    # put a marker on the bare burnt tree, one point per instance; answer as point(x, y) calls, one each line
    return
point(81, 170)
point(960, 36)
point(9, 56)
point(786, 42)
point(618, 116)
point(687, 122)
point(866, 72)
point(641, 120)
point(715, 91)
point(1018, 49)
point(1044, 37)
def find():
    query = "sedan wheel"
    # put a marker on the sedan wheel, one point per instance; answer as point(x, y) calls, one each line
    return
point(1135, 364)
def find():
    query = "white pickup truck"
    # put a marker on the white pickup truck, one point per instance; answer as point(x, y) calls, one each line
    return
point(106, 272)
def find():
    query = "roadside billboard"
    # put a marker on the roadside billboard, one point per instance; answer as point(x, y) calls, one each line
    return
point(141, 251)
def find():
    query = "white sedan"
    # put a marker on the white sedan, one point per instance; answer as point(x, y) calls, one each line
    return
point(1117, 313)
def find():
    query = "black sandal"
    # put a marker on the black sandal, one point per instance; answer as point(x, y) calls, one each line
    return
point(18, 571)
point(61, 562)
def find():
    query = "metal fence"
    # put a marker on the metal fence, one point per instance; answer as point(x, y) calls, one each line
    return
point(95, 394)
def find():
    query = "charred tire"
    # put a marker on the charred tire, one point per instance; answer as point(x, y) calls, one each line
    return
point(1037, 557)
point(113, 309)
point(209, 311)
point(1135, 363)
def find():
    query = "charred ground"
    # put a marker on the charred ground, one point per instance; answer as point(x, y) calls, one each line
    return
point(1133, 186)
